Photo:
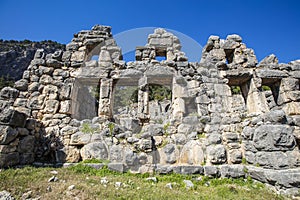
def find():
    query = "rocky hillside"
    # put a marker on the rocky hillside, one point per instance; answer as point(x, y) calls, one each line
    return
point(15, 56)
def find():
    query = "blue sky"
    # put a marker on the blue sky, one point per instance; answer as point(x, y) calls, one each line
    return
point(266, 26)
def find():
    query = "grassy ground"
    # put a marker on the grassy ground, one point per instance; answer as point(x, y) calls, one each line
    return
point(91, 184)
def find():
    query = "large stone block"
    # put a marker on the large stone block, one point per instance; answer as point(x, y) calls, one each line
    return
point(192, 153)
point(232, 171)
point(9, 93)
point(169, 154)
point(268, 73)
point(222, 90)
point(80, 138)
point(21, 85)
point(26, 158)
point(65, 107)
point(131, 159)
point(26, 144)
point(96, 150)
point(211, 171)
point(51, 106)
point(292, 108)
point(78, 56)
point(274, 137)
point(216, 154)
point(9, 159)
point(116, 153)
point(10, 148)
point(275, 160)
point(13, 118)
point(69, 130)
point(130, 124)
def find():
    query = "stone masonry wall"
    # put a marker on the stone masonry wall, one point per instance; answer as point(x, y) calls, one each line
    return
point(227, 114)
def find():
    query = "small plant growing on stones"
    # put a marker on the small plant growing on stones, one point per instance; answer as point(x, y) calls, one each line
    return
point(86, 128)
point(200, 135)
point(111, 127)
point(244, 161)
point(166, 126)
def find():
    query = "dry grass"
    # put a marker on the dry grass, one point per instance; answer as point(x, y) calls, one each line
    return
point(88, 185)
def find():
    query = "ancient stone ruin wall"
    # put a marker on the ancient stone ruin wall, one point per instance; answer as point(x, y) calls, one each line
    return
point(222, 115)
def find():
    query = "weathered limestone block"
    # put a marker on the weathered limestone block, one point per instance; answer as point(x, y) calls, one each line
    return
point(230, 137)
point(51, 91)
point(9, 93)
point(288, 84)
point(295, 74)
point(40, 53)
point(161, 42)
point(37, 62)
point(292, 108)
point(45, 70)
point(179, 139)
point(23, 131)
point(72, 154)
point(215, 108)
point(216, 55)
point(235, 156)
point(131, 159)
point(80, 138)
point(145, 145)
point(188, 169)
point(185, 128)
point(33, 87)
point(268, 61)
point(104, 107)
point(65, 107)
point(46, 79)
point(232, 171)
point(168, 154)
point(153, 130)
point(192, 153)
point(211, 171)
point(267, 159)
point(21, 85)
point(214, 138)
point(9, 159)
point(248, 133)
point(202, 99)
point(96, 150)
point(53, 63)
point(275, 116)
point(256, 101)
point(178, 107)
point(51, 106)
point(20, 102)
point(65, 92)
point(287, 178)
point(274, 137)
point(78, 56)
point(12, 147)
point(222, 90)
point(36, 102)
point(116, 153)
point(13, 118)
point(216, 154)
point(230, 44)
point(268, 73)
point(26, 144)
point(104, 55)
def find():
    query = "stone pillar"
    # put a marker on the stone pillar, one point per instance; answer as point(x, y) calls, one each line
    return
point(179, 91)
point(256, 100)
point(105, 99)
point(143, 99)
